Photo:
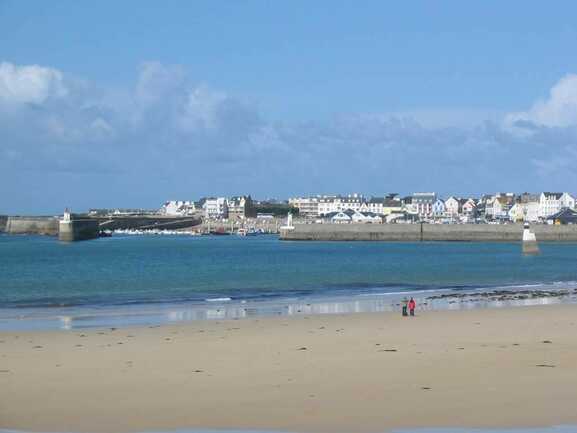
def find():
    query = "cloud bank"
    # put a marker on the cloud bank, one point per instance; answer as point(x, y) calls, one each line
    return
point(67, 142)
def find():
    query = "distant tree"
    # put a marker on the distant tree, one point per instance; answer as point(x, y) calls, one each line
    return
point(276, 209)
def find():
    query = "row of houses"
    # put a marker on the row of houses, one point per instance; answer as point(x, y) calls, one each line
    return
point(237, 207)
point(427, 205)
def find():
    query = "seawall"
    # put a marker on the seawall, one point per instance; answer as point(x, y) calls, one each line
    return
point(427, 232)
point(42, 225)
point(146, 222)
point(78, 229)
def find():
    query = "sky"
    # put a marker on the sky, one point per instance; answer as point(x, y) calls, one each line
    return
point(132, 103)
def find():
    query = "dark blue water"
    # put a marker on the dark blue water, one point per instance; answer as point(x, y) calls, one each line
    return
point(42, 272)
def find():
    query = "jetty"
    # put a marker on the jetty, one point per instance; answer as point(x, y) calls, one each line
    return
point(423, 232)
point(76, 227)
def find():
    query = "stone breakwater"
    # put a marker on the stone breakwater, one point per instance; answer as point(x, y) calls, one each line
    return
point(427, 232)
point(43, 225)
point(86, 227)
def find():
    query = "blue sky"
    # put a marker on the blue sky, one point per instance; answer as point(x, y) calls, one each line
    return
point(131, 103)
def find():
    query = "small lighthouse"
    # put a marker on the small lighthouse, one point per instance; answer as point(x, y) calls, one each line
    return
point(289, 222)
point(529, 241)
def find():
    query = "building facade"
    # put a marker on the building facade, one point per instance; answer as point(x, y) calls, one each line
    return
point(216, 208)
point(307, 206)
point(422, 203)
point(439, 208)
point(552, 202)
point(240, 207)
point(338, 203)
point(453, 206)
point(178, 208)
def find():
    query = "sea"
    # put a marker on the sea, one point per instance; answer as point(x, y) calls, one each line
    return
point(135, 280)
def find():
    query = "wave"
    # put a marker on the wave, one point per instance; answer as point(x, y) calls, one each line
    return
point(267, 294)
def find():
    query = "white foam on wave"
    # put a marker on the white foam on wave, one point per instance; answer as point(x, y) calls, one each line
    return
point(218, 299)
point(405, 292)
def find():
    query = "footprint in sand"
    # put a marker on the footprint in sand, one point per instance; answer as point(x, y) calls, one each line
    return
point(545, 365)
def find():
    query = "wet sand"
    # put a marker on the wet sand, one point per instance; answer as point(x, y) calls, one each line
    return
point(325, 373)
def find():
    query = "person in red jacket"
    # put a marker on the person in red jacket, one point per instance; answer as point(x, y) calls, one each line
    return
point(412, 306)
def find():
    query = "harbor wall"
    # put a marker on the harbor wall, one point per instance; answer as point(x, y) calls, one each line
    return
point(427, 232)
point(146, 222)
point(78, 229)
point(40, 225)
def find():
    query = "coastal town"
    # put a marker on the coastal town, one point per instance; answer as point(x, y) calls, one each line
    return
point(545, 207)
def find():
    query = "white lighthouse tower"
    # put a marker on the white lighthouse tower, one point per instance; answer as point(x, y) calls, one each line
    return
point(529, 241)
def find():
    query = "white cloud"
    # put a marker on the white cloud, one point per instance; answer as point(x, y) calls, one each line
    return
point(198, 140)
point(30, 84)
point(558, 110)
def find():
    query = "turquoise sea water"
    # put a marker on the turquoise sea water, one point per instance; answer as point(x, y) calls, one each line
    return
point(42, 274)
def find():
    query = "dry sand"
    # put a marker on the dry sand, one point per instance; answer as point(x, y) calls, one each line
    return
point(326, 373)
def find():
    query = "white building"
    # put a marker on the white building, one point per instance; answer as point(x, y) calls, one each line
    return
point(352, 216)
point(307, 206)
point(216, 208)
point(525, 212)
point(240, 207)
point(422, 203)
point(499, 205)
point(338, 203)
point(552, 202)
point(178, 208)
point(453, 206)
point(375, 205)
point(469, 208)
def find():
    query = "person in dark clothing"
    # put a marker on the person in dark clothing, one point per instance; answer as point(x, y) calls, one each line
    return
point(405, 303)
point(412, 306)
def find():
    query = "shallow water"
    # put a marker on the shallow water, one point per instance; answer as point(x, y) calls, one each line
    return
point(139, 280)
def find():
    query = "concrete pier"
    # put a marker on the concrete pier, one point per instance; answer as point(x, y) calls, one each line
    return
point(427, 232)
point(76, 228)
point(41, 225)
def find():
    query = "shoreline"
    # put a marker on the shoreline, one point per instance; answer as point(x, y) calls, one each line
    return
point(366, 372)
point(86, 317)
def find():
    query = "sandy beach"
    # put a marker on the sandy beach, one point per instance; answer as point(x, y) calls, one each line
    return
point(326, 373)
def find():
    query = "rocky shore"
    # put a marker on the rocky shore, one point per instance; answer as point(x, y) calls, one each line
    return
point(503, 295)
